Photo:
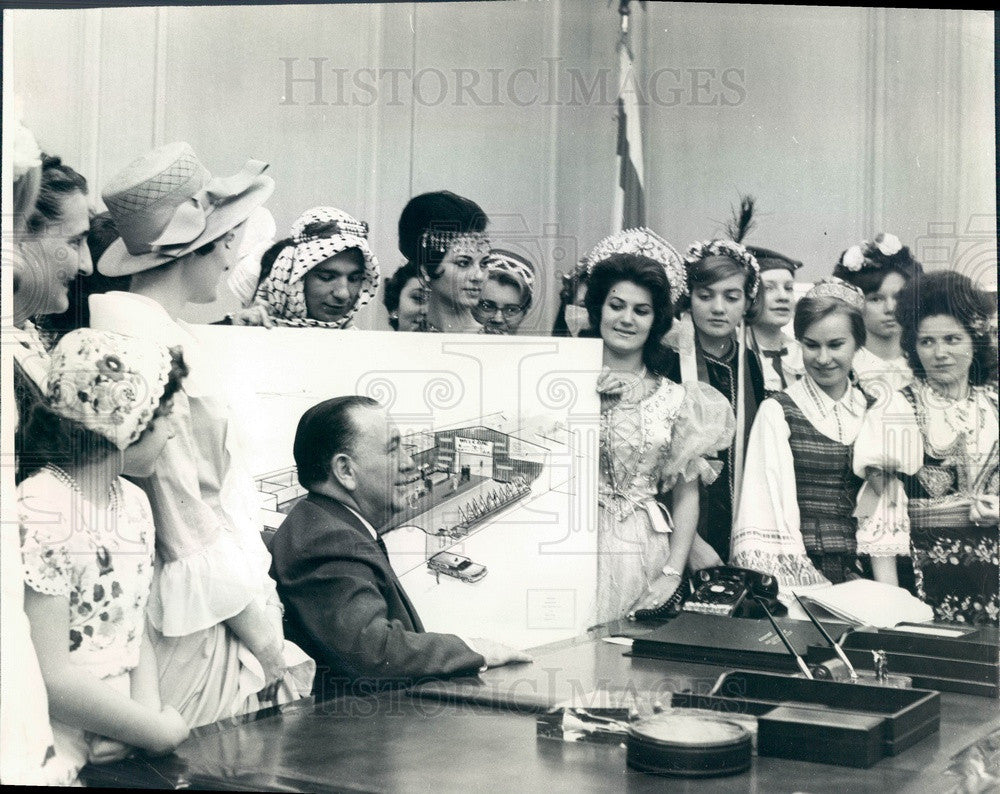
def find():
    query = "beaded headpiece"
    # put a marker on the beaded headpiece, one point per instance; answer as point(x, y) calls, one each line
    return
point(840, 290)
point(644, 242)
point(109, 383)
point(461, 243)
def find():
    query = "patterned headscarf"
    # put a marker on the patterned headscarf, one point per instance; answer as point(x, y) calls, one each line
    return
point(282, 292)
point(109, 383)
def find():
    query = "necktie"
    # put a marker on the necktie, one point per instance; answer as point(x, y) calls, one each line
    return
point(776, 356)
point(381, 545)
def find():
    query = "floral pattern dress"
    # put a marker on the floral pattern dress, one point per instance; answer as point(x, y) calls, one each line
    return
point(946, 454)
point(101, 562)
point(646, 446)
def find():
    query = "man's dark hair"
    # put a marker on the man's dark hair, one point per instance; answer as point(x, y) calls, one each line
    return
point(325, 430)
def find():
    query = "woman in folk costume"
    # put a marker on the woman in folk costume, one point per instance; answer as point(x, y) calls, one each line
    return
point(318, 277)
point(880, 268)
point(87, 544)
point(444, 235)
point(216, 621)
point(28, 756)
point(929, 454)
point(780, 354)
point(796, 513)
point(656, 435)
point(709, 346)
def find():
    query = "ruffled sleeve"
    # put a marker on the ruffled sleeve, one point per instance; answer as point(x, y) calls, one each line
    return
point(205, 575)
point(703, 427)
point(888, 443)
point(767, 535)
point(48, 542)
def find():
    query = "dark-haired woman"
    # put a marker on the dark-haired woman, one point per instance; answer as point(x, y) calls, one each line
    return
point(318, 277)
point(795, 518)
point(930, 453)
point(87, 542)
point(656, 436)
point(722, 282)
point(880, 268)
point(405, 298)
point(444, 235)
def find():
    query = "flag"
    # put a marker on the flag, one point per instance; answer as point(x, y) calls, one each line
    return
point(630, 198)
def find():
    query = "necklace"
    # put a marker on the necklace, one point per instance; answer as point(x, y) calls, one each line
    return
point(114, 495)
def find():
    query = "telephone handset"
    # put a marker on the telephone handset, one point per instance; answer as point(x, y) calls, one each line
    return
point(723, 590)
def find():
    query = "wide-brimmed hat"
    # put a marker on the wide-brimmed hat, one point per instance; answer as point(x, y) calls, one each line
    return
point(166, 204)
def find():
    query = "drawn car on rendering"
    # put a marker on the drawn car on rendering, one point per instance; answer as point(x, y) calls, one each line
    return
point(457, 566)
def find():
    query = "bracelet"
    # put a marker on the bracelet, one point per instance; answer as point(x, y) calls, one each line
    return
point(669, 570)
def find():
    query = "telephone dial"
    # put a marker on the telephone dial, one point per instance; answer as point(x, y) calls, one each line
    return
point(723, 590)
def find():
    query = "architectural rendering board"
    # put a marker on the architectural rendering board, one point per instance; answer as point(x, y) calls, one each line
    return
point(503, 433)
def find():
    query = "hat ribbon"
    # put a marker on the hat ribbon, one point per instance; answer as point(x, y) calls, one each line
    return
point(191, 217)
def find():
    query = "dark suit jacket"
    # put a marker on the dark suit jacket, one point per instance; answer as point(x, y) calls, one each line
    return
point(346, 608)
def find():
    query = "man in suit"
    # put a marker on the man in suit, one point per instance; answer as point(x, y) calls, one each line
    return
point(345, 606)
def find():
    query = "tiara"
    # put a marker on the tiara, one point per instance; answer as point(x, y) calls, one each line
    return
point(439, 241)
point(504, 263)
point(644, 242)
point(840, 290)
point(737, 253)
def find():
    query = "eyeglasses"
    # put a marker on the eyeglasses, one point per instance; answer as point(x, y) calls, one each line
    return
point(490, 308)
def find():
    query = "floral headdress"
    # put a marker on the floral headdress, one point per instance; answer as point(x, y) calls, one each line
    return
point(643, 242)
point(708, 249)
point(737, 228)
point(282, 293)
point(840, 290)
point(109, 383)
point(884, 251)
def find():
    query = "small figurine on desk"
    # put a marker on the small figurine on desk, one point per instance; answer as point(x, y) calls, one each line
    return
point(880, 664)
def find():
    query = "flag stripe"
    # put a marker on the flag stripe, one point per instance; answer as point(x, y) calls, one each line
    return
point(630, 199)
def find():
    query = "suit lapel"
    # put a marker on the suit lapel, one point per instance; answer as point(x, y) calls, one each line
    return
point(347, 516)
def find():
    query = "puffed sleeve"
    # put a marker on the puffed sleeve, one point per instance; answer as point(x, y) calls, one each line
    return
point(889, 442)
point(205, 575)
point(48, 542)
point(767, 535)
point(703, 426)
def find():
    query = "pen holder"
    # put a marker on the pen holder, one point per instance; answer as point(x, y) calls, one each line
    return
point(836, 670)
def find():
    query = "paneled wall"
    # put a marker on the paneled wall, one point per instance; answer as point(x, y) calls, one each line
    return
point(841, 121)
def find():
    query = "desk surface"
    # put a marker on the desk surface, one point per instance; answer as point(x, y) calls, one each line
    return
point(393, 742)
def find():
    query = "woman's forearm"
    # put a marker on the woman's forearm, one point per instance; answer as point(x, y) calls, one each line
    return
point(255, 629)
point(685, 516)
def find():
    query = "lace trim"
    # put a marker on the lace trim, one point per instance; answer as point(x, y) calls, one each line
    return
point(791, 570)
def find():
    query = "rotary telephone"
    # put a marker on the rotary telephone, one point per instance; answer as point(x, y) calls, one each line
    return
point(723, 590)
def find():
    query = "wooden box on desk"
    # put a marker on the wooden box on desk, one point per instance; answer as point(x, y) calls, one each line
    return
point(843, 721)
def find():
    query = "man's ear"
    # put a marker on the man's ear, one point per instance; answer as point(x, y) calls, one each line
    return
point(343, 471)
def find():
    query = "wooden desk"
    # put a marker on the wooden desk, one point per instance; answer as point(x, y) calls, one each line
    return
point(393, 742)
